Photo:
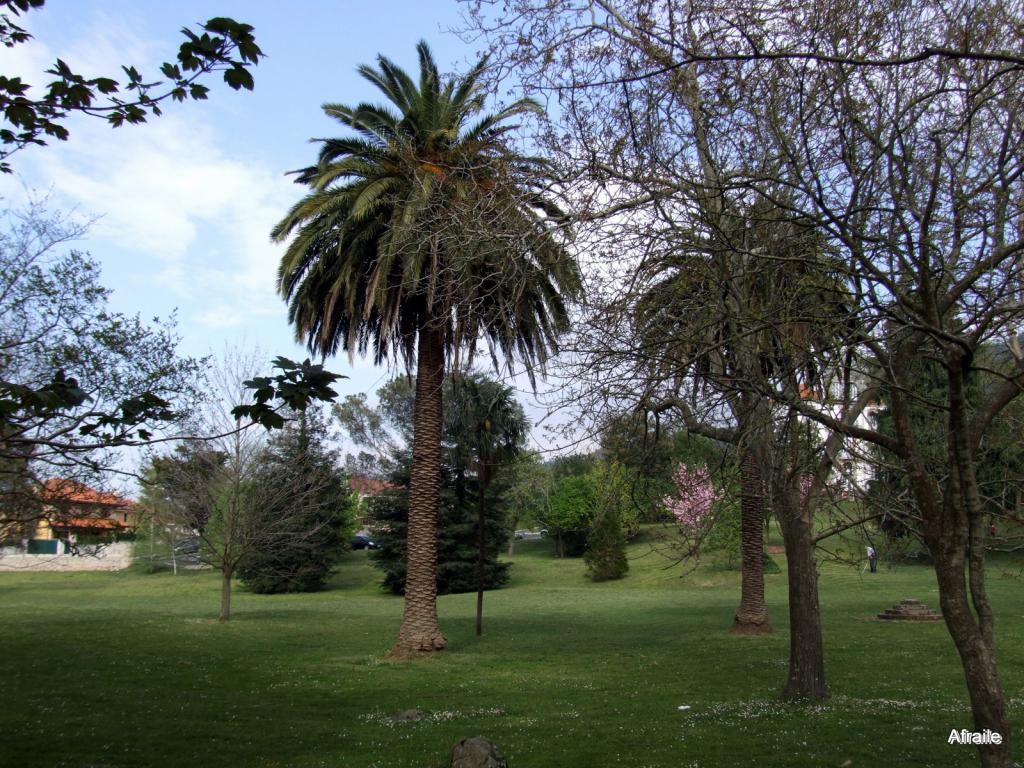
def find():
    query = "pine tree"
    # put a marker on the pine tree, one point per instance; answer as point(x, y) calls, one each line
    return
point(456, 540)
point(323, 512)
point(484, 429)
point(605, 555)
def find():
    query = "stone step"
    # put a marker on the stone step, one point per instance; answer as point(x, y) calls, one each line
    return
point(910, 610)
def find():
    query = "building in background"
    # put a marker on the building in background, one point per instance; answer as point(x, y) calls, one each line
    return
point(74, 513)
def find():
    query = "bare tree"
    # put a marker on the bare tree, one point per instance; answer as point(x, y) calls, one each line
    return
point(706, 294)
point(219, 489)
point(906, 167)
point(916, 173)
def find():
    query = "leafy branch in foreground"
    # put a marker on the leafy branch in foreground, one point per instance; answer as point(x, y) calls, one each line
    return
point(294, 388)
point(222, 45)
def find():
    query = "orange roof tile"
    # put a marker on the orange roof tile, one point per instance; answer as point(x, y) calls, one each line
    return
point(806, 393)
point(73, 492)
point(369, 485)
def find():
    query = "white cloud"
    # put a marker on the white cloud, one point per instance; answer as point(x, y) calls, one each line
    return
point(220, 316)
point(196, 214)
point(107, 42)
point(179, 195)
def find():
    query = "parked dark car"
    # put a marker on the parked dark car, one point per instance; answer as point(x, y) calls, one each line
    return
point(187, 547)
point(362, 541)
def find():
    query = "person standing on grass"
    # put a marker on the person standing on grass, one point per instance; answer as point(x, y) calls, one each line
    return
point(872, 559)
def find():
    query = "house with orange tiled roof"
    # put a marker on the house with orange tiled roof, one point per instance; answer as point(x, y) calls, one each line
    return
point(369, 486)
point(73, 509)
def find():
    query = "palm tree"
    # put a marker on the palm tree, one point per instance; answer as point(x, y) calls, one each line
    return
point(758, 302)
point(420, 233)
point(759, 306)
point(716, 354)
point(490, 428)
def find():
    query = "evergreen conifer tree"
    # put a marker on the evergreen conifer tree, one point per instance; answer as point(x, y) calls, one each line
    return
point(324, 511)
point(605, 555)
point(606, 548)
point(457, 543)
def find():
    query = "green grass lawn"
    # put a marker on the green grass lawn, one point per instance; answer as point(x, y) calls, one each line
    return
point(103, 670)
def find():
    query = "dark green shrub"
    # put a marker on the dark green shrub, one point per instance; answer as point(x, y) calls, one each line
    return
point(606, 548)
point(456, 541)
point(605, 554)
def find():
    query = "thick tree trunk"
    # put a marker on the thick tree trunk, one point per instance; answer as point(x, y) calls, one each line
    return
point(806, 678)
point(988, 704)
point(225, 594)
point(419, 632)
point(752, 614)
point(956, 537)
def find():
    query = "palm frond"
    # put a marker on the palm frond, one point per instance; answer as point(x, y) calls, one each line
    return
point(408, 221)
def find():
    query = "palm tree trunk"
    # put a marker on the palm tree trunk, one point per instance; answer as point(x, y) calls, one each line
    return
point(752, 614)
point(419, 632)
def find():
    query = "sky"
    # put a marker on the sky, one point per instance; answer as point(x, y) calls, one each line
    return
point(183, 205)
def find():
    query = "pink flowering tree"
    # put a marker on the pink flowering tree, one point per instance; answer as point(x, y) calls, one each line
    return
point(694, 501)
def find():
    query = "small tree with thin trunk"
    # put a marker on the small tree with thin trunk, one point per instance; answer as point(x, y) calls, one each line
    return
point(218, 499)
point(487, 428)
point(214, 487)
